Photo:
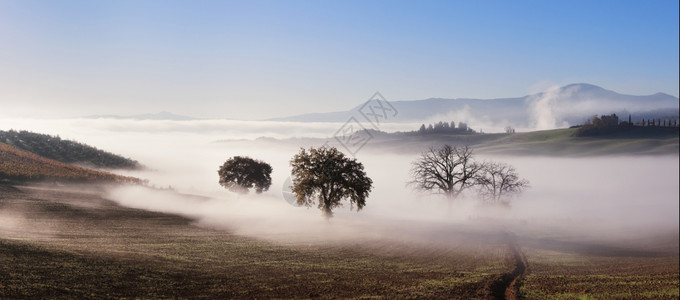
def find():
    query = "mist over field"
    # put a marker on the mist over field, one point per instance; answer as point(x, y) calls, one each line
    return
point(600, 197)
point(119, 119)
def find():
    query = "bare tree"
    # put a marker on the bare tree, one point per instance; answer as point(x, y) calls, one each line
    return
point(448, 170)
point(496, 180)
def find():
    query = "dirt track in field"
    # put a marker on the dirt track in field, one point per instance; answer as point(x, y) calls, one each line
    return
point(506, 286)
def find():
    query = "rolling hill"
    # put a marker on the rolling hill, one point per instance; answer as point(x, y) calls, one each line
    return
point(65, 151)
point(20, 165)
point(554, 143)
point(565, 143)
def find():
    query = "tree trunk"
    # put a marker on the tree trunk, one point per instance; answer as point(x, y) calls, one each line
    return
point(327, 212)
point(449, 199)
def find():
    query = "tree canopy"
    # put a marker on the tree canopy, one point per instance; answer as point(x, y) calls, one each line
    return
point(445, 128)
point(241, 173)
point(326, 175)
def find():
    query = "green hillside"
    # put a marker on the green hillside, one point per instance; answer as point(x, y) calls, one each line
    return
point(556, 142)
point(70, 152)
point(564, 142)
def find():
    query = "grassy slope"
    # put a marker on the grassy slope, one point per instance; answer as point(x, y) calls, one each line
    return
point(66, 151)
point(562, 142)
point(68, 244)
point(17, 164)
point(556, 142)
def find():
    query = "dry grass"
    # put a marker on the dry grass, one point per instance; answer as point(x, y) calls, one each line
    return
point(17, 164)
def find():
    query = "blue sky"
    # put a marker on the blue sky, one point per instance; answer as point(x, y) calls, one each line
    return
point(263, 59)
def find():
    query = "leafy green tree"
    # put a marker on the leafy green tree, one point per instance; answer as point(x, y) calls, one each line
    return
point(327, 176)
point(241, 173)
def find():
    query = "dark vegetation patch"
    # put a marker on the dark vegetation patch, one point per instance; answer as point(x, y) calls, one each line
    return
point(627, 132)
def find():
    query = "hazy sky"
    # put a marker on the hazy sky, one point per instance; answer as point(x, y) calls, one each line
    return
point(263, 59)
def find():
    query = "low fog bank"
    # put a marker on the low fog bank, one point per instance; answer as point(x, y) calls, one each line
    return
point(269, 217)
point(15, 225)
point(603, 198)
point(86, 128)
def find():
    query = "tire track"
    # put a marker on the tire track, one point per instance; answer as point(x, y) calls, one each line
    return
point(506, 286)
point(521, 269)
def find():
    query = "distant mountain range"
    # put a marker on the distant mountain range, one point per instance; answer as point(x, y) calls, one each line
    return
point(164, 115)
point(557, 107)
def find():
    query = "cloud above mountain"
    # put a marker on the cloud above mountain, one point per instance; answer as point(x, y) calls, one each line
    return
point(553, 108)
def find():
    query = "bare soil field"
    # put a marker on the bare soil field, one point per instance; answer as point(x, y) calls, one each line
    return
point(71, 242)
point(562, 266)
point(559, 275)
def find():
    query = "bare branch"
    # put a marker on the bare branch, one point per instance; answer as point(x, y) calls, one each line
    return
point(447, 169)
point(499, 180)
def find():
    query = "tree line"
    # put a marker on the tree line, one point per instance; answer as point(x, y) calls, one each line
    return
point(605, 124)
point(325, 176)
point(445, 127)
